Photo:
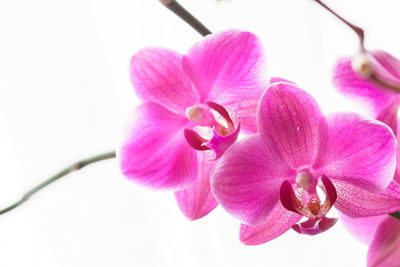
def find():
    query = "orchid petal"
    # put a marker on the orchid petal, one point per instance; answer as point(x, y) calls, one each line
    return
point(386, 65)
point(229, 68)
point(357, 151)
point(279, 80)
point(384, 250)
point(247, 178)
point(355, 201)
point(353, 85)
point(197, 201)
point(389, 116)
point(157, 76)
point(153, 131)
point(290, 116)
point(363, 228)
point(277, 223)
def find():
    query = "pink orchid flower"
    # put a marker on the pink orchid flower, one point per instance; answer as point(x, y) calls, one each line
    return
point(268, 180)
point(223, 73)
point(382, 234)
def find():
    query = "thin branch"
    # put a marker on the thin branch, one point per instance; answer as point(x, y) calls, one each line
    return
point(359, 31)
point(395, 215)
point(370, 74)
point(181, 12)
point(74, 167)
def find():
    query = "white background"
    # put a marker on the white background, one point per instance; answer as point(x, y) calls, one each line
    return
point(64, 94)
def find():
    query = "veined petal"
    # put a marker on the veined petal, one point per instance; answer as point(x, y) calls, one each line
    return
point(290, 116)
point(247, 178)
point(229, 68)
point(157, 76)
point(356, 150)
point(352, 84)
point(354, 201)
point(152, 132)
point(389, 116)
point(363, 228)
point(386, 65)
point(279, 80)
point(384, 250)
point(197, 200)
point(278, 222)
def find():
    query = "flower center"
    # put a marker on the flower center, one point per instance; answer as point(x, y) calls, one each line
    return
point(224, 134)
point(303, 199)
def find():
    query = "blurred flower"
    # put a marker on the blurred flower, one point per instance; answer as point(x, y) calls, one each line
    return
point(353, 84)
point(382, 234)
point(383, 102)
point(215, 86)
point(269, 180)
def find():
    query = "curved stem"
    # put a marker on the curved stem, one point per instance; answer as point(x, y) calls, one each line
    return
point(395, 215)
point(359, 31)
point(181, 12)
point(373, 76)
point(73, 167)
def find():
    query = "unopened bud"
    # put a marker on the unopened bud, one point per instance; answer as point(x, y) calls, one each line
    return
point(361, 64)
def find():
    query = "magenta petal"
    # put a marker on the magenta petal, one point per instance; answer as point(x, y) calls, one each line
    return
point(386, 66)
point(151, 133)
point(247, 178)
point(354, 201)
point(229, 68)
point(197, 201)
point(384, 250)
point(356, 150)
point(291, 116)
point(157, 76)
point(278, 222)
point(279, 80)
point(389, 116)
point(351, 84)
point(363, 228)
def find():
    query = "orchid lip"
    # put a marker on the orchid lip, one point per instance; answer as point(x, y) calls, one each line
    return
point(195, 140)
point(223, 112)
point(223, 136)
point(306, 204)
point(314, 227)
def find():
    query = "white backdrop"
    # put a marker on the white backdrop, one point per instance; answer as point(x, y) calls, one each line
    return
point(65, 92)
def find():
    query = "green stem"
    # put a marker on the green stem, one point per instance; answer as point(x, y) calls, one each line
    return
point(395, 215)
point(74, 167)
point(181, 12)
